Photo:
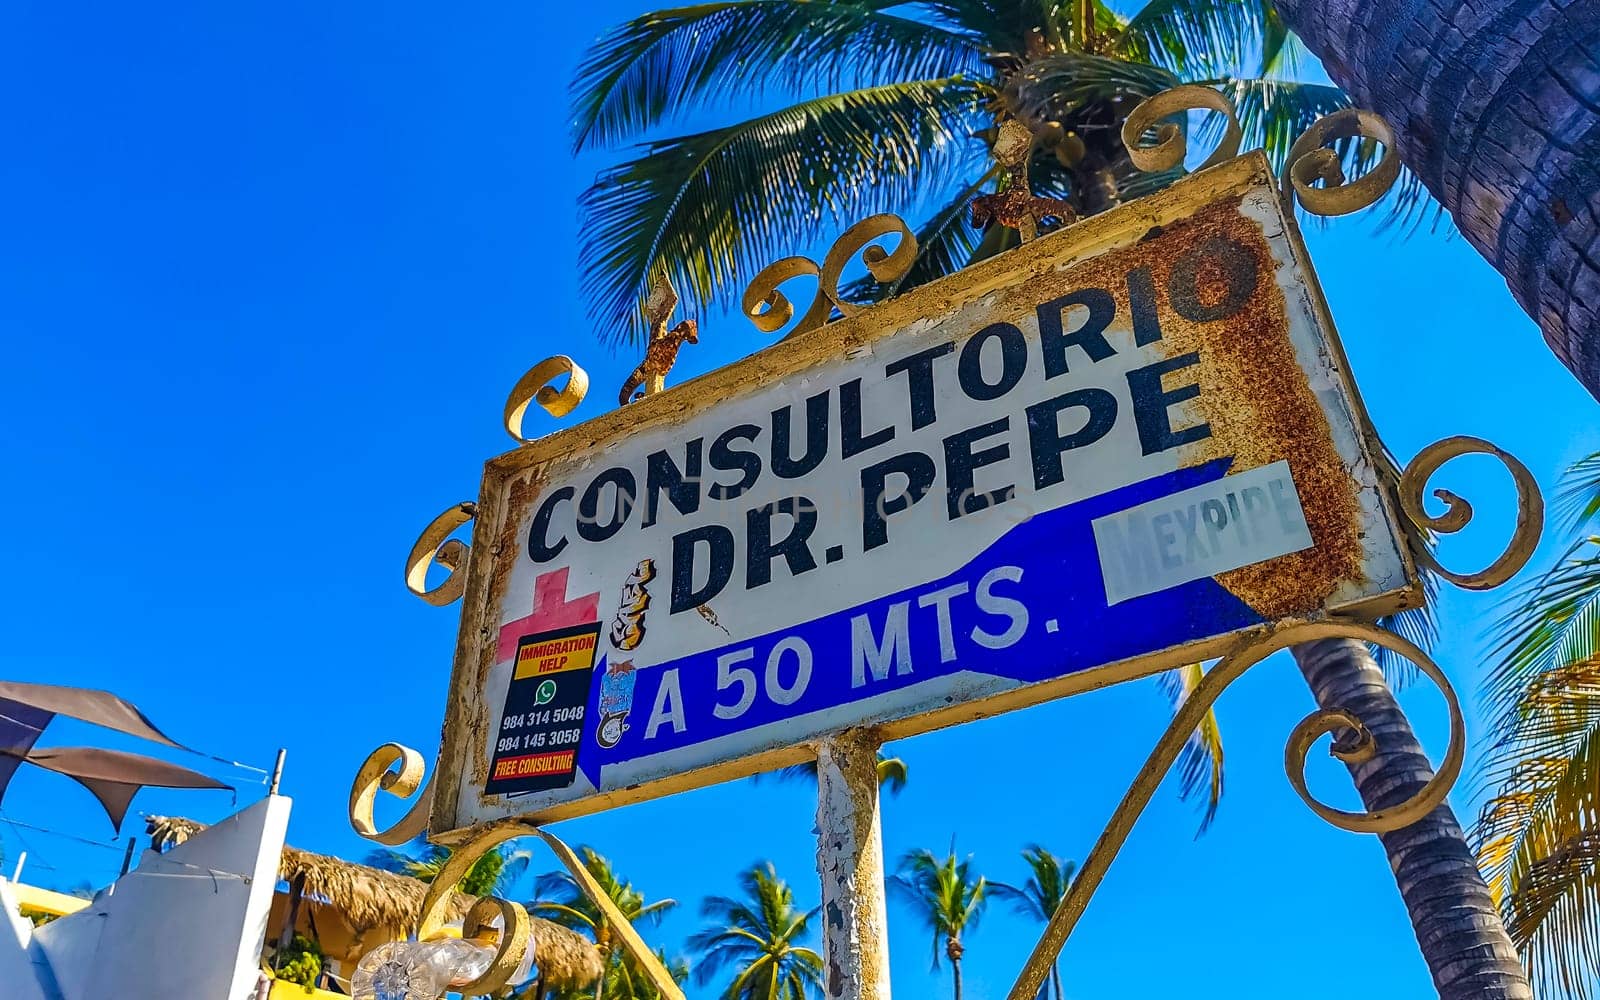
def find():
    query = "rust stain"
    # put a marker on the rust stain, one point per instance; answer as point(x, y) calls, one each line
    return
point(1262, 410)
point(1253, 393)
point(474, 710)
point(520, 492)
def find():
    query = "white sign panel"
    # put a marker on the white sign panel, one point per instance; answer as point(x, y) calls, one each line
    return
point(1094, 457)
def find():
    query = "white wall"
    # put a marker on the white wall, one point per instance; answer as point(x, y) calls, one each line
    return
point(188, 923)
point(22, 980)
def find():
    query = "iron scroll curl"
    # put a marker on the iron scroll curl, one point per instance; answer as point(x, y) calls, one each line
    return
point(436, 545)
point(535, 386)
point(765, 305)
point(1171, 146)
point(1310, 160)
point(380, 773)
point(882, 265)
point(506, 919)
point(1230, 668)
point(514, 933)
point(1458, 512)
point(770, 310)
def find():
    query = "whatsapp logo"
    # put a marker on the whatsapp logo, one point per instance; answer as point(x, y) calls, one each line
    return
point(545, 694)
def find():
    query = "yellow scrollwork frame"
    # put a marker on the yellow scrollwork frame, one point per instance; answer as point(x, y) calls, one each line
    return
point(398, 770)
point(436, 545)
point(535, 387)
point(1227, 670)
point(769, 309)
point(1258, 646)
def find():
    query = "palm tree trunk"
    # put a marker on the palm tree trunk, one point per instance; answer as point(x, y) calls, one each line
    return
point(954, 949)
point(1497, 106)
point(1456, 923)
point(603, 945)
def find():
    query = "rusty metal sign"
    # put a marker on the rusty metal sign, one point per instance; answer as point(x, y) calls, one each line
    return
point(1097, 456)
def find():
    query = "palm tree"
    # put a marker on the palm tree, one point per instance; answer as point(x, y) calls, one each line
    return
point(1498, 112)
point(1538, 836)
point(909, 97)
point(1457, 925)
point(759, 934)
point(491, 874)
point(563, 901)
point(898, 104)
point(948, 896)
point(910, 125)
point(1039, 897)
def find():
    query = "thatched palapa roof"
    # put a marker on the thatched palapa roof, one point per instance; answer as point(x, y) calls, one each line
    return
point(373, 899)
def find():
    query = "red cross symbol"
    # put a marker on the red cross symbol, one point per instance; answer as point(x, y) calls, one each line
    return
point(551, 610)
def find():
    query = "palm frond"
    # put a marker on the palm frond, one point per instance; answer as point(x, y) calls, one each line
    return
point(1578, 501)
point(1536, 836)
point(1420, 625)
point(1048, 879)
point(758, 933)
point(1054, 87)
point(423, 861)
point(567, 916)
point(720, 205)
point(1203, 37)
point(417, 856)
point(946, 894)
point(1553, 918)
point(1200, 764)
point(1273, 113)
point(1020, 898)
point(667, 61)
point(1004, 25)
point(561, 898)
point(1554, 622)
point(1051, 179)
point(1279, 48)
point(653, 912)
point(893, 773)
point(1107, 22)
point(517, 865)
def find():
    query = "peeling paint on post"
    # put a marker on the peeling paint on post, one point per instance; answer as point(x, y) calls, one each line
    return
point(855, 938)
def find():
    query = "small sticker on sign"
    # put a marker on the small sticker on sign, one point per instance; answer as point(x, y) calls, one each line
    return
point(535, 747)
point(1197, 533)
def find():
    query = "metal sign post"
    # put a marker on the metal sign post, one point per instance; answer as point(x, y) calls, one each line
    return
point(1126, 446)
point(855, 922)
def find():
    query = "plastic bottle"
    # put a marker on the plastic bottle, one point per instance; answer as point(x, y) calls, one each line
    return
point(419, 970)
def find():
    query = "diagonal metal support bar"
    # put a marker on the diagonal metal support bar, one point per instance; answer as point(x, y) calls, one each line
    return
point(1229, 669)
point(513, 938)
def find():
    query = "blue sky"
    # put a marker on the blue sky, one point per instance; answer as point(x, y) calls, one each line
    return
point(267, 274)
